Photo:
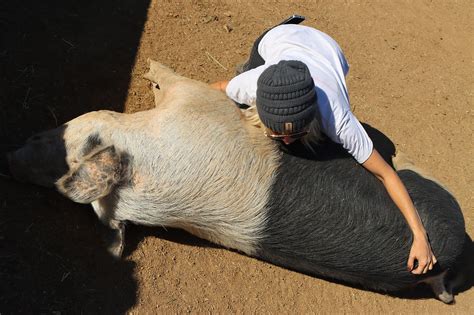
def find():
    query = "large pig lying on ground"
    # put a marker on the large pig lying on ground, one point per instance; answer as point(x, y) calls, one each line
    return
point(194, 162)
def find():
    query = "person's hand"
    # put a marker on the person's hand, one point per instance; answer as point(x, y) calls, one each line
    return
point(219, 85)
point(421, 252)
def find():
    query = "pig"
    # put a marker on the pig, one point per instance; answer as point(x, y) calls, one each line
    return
point(197, 163)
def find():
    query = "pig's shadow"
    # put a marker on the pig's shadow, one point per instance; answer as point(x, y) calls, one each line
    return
point(464, 271)
point(135, 234)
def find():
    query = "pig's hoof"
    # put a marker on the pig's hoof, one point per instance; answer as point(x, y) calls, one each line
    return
point(116, 250)
point(115, 239)
point(446, 297)
point(437, 284)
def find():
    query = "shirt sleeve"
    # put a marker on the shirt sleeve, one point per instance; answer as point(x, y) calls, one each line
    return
point(243, 88)
point(354, 138)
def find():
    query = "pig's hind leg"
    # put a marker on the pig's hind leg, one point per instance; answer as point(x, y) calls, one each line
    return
point(162, 78)
point(440, 290)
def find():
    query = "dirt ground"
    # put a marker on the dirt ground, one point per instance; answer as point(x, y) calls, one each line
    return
point(411, 77)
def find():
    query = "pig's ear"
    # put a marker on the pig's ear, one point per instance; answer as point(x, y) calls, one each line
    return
point(94, 178)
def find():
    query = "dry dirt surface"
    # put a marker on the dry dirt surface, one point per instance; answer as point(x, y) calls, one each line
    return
point(411, 77)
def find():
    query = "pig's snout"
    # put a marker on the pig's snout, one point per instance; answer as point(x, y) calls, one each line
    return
point(37, 165)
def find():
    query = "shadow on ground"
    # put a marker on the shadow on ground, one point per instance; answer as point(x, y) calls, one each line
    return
point(59, 59)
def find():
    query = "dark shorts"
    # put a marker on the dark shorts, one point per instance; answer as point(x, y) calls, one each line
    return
point(255, 60)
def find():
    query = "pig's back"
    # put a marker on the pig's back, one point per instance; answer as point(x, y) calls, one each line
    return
point(332, 218)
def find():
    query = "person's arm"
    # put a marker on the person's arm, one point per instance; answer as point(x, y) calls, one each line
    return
point(219, 85)
point(420, 249)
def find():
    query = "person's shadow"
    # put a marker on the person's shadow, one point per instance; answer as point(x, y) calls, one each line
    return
point(328, 150)
point(58, 60)
point(382, 143)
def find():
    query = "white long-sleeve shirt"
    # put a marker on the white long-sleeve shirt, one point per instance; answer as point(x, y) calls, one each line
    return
point(328, 68)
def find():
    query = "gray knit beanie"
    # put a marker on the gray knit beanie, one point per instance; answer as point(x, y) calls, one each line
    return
point(286, 97)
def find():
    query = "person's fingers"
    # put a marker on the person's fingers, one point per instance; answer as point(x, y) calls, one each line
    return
point(430, 265)
point(418, 269)
point(427, 265)
point(421, 267)
point(433, 259)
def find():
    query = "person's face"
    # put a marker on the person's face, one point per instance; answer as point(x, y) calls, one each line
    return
point(286, 138)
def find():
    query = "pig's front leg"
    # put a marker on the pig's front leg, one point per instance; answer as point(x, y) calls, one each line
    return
point(114, 236)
